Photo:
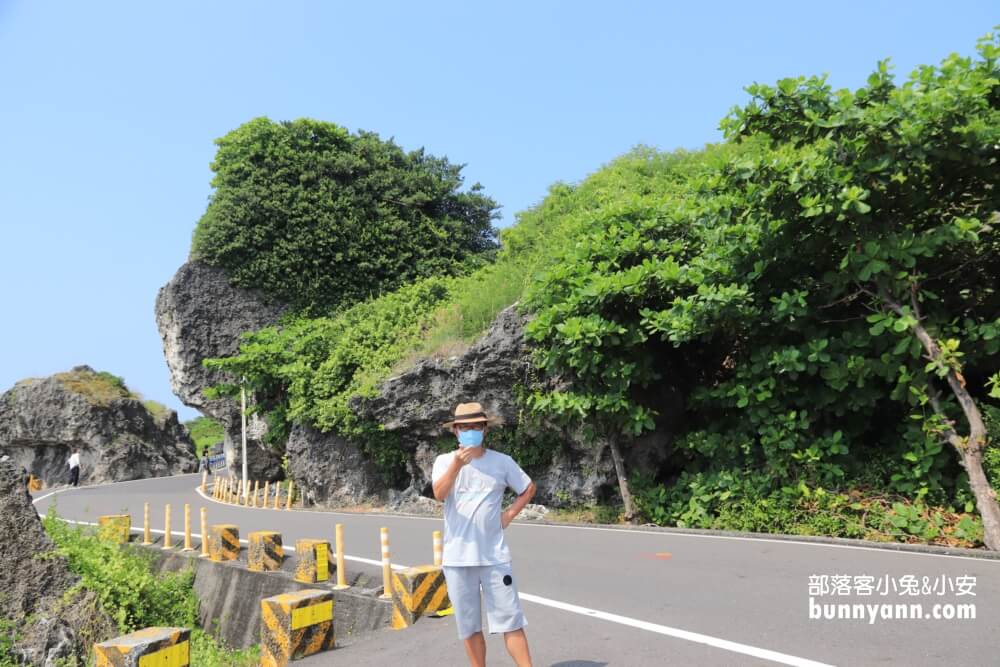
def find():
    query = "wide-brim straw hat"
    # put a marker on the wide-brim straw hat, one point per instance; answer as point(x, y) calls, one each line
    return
point(470, 413)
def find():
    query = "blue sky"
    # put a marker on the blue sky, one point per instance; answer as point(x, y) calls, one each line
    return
point(109, 111)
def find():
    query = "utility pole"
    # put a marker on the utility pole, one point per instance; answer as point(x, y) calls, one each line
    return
point(243, 419)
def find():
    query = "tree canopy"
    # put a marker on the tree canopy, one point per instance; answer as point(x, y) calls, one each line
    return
point(825, 279)
point(319, 217)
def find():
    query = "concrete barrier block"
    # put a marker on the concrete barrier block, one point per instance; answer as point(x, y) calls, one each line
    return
point(417, 591)
point(115, 527)
point(151, 647)
point(224, 542)
point(265, 552)
point(313, 558)
point(294, 625)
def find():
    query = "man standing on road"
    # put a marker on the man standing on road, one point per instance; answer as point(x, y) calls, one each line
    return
point(74, 467)
point(471, 481)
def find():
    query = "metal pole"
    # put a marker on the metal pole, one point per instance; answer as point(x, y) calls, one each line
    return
point(243, 418)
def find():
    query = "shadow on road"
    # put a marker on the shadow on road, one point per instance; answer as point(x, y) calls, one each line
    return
point(578, 663)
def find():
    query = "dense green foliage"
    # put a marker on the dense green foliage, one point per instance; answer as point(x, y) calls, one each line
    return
point(774, 280)
point(319, 217)
point(205, 432)
point(760, 275)
point(133, 596)
point(308, 368)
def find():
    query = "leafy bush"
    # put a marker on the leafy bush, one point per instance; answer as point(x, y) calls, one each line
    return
point(205, 432)
point(132, 595)
point(122, 579)
point(744, 501)
point(782, 276)
point(322, 218)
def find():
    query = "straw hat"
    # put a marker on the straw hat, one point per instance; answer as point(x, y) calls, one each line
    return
point(469, 413)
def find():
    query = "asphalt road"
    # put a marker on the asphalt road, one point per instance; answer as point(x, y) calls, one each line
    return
point(603, 596)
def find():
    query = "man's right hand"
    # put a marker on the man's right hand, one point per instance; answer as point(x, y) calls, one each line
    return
point(463, 455)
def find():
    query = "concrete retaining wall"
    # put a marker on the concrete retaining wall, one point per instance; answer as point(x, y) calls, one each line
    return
point(230, 598)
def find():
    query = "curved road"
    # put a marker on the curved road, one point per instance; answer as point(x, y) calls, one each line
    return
point(605, 596)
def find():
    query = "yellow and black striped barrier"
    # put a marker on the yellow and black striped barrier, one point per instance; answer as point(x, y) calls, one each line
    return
point(34, 484)
point(313, 561)
point(294, 625)
point(265, 553)
point(224, 542)
point(417, 591)
point(115, 527)
point(159, 647)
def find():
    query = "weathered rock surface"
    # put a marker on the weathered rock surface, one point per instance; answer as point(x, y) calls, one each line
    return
point(416, 403)
point(50, 630)
point(201, 316)
point(330, 470)
point(42, 420)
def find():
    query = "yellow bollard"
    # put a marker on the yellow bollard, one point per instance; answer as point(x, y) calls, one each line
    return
point(146, 537)
point(341, 572)
point(386, 566)
point(256, 490)
point(187, 528)
point(166, 530)
point(291, 494)
point(204, 533)
point(277, 494)
point(267, 487)
point(438, 548)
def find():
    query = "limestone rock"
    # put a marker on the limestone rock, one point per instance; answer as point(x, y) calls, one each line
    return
point(201, 316)
point(330, 470)
point(42, 420)
point(51, 630)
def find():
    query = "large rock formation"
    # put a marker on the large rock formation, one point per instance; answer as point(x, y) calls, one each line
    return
point(415, 403)
point(53, 626)
point(43, 420)
point(201, 316)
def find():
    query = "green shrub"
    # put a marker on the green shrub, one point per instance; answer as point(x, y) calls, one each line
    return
point(125, 585)
point(133, 595)
point(205, 432)
point(321, 218)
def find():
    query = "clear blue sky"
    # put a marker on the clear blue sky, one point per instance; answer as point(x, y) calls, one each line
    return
point(109, 111)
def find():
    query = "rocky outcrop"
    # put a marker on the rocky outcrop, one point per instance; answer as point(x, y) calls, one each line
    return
point(201, 316)
point(329, 469)
point(119, 438)
point(415, 404)
point(53, 626)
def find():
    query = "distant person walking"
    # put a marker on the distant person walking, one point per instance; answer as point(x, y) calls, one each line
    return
point(74, 467)
point(471, 481)
point(204, 465)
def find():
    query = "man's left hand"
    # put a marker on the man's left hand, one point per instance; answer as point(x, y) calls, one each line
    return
point(505, 518)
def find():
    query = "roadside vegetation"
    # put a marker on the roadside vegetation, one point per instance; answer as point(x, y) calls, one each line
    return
point(134, 596)
point(820, 288)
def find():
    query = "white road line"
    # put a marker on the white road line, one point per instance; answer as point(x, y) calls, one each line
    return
point(745, 649)
point(677, 633)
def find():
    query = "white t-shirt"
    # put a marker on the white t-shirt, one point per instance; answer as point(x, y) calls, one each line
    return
point(473, 534)
point(74, 461)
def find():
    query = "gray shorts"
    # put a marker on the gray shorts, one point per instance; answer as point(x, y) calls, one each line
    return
point(503, 606)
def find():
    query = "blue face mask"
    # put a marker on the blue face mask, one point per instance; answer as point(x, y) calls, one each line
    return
point(473, 438)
